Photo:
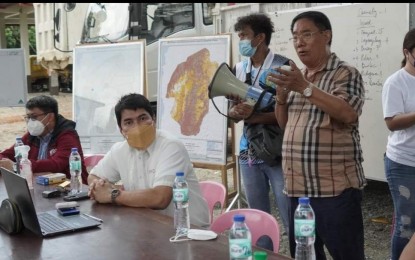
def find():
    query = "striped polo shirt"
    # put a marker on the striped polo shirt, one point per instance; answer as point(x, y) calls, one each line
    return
point(322, 156)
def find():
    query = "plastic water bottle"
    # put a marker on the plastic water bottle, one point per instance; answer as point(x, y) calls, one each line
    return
point(181, 203)
point(75, 167)
point(240, 241)
point(17, 153)
point(26, 165)
point(304, 230)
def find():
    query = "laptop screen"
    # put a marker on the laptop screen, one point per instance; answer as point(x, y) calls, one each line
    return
point(19, 193)
point(51, 221)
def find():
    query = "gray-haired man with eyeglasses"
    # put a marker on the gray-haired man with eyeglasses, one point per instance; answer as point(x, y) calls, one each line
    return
point(50, 137)
point(322, 156)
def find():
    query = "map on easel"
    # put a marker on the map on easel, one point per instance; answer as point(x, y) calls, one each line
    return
point(186, 67)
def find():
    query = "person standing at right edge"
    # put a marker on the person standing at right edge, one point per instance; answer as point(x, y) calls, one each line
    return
point(319, 107)
point(254, 31)
point(398, 102)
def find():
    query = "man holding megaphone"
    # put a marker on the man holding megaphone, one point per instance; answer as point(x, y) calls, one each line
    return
point(255, 32)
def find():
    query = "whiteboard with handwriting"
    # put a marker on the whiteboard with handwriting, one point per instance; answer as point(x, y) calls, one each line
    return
point(13, 86)
point(369, 37)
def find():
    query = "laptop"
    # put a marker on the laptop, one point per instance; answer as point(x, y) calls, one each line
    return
point(44, 224)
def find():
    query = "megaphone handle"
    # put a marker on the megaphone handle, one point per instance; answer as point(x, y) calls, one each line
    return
point(257, 104)
point(214, 104)
point(261, 96)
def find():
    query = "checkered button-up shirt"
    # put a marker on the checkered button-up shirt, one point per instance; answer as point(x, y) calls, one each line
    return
point(322, 156)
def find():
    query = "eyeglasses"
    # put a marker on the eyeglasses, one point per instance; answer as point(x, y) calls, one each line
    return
point(33, 117)
point(132, 122)
point(306, 36)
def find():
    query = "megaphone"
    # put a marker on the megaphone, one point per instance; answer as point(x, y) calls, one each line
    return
point(224, 83)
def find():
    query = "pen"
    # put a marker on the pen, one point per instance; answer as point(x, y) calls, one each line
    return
point(95, 218)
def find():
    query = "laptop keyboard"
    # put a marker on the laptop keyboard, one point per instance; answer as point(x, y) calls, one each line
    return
point(51, 223)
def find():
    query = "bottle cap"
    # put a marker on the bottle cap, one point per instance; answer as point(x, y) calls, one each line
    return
point(179, 173)
point(74, 149)
point(304, 200)
point(260, 255)
point(239, 217)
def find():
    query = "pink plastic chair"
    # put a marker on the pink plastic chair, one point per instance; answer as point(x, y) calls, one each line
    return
point(259, 222)
point(214, 193)
point(91, 160)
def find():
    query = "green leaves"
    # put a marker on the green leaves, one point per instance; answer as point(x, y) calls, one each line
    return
point(13, 37)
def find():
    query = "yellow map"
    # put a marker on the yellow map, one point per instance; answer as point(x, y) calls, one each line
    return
point(188, 85)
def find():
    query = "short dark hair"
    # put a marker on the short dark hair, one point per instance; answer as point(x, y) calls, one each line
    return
point(132, 101)
point(45, 103)
point(318, 18)
point(259, 23)
point(408, 43)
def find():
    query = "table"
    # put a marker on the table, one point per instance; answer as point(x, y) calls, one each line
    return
point(126, 233)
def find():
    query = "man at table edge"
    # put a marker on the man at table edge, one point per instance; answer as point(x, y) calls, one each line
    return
point(50, 137)
point(146, 162)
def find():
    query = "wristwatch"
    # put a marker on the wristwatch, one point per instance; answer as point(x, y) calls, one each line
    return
point(308, 90)
point(114, 194)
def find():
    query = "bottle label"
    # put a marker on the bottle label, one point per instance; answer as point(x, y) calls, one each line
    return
point(304, 227)
point(25, 168)
point(75, 165)
point(240, 248)
point(180, 195)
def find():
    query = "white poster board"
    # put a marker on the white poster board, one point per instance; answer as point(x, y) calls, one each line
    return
point(13, 86)
point(186, 67)
point(102, 73)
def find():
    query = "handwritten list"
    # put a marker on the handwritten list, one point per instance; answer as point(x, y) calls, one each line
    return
point(371, 42)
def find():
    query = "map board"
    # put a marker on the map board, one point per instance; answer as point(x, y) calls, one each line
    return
point(368, 36)
point(13, 87)
point(186, 67)
point(102, 73)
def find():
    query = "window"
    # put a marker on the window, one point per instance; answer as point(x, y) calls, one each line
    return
point(207, 13)
point(169, 18)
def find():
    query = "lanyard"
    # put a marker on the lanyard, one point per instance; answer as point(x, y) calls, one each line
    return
point(248, 79)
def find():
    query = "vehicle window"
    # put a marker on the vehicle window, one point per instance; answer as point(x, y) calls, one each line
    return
point(105, 22)
point(168, 18)
point(207, 13)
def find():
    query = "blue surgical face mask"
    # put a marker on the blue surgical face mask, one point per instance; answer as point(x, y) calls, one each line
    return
point(246, 49)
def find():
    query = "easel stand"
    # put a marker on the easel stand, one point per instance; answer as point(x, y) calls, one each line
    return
point(224, 176)
point(238, 197)
point(230, 164)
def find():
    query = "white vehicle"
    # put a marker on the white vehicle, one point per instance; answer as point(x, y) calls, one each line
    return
point(58, 29)
point(110, 22)
point(116, 22)
point(60, 26)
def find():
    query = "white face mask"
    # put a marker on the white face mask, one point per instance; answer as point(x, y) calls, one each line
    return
point(35, 127)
